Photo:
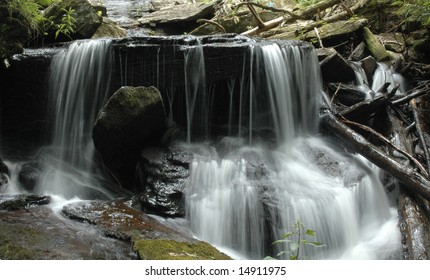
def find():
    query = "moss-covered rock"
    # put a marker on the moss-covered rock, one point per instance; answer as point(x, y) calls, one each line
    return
point(87, 19)
point(131, 119)
point(174, 250)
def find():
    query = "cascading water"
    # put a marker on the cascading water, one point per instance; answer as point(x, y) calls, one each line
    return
point(244, 197)
point(79, 82)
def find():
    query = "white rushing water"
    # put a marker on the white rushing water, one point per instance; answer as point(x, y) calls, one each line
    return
point(243, 197)
point(79, 79)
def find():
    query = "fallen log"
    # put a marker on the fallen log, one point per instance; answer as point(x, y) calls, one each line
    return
point(308, 12)
point(414, 182)
point(414, 226)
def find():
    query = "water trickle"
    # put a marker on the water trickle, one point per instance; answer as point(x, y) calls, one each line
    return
point(385, 73)
point(79, 79)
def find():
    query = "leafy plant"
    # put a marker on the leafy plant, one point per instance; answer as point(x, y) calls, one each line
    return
point(414, 11)
point(67, 25)
point(295, 240)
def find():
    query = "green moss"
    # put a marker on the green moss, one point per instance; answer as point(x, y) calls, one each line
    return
point(16, 242)
point(174, 250)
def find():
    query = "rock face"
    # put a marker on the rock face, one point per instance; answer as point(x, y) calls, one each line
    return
point(162, 175)
point(186, 12)
point(87, 19)
point(132, 118)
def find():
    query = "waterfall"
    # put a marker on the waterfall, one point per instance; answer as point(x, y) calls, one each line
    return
point(78, 84)
point(243, 195)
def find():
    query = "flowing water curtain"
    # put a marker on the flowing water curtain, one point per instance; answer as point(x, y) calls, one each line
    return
point(78, 86)
point(249, 197)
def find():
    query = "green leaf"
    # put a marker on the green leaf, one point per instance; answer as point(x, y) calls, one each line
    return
point(293, 258)
point(310, 232)
point(316, 244)
point(288, 234)
point(281, 241)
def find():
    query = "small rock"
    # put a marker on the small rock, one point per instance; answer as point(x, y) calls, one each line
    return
point(22, 201)
point(29, 175)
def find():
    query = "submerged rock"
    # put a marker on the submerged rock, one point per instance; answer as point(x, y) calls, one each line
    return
point(29, 174)
point(133, 118)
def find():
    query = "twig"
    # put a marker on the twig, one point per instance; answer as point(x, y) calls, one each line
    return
point(335, 93)
point(416, 92)
point(273, 9)
point(318, 36)
point(202, 20)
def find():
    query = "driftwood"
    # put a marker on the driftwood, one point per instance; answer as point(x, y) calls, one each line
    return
point(306, 13)
point(413, 181)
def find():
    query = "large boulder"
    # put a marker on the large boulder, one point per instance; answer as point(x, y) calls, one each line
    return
point(134, 117)
point(87, 19)
point(29, 174)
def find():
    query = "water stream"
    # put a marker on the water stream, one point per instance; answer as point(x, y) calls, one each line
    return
point(246, 188)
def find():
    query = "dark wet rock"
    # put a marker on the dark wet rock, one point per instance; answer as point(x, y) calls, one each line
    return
point(133, 118)
point(87, 19)
point(335, 68)
point(358, 53)
point(187, 12)
point(4, 172)
point(369, 66)
point(162, 175)
point(110, 29)
point(29, 174)
point(41, 234)
point(347, 94)
point(22, 201)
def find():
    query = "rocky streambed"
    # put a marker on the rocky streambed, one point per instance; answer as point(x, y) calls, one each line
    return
point(38, 227)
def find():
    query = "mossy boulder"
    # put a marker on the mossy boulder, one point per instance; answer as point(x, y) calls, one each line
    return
point(133, 118)
point(173, 250)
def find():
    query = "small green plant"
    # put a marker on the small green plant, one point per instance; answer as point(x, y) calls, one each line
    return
point(295, 240)
point(67, 25)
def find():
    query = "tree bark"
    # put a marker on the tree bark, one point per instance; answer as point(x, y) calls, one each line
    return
point(414, 226)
